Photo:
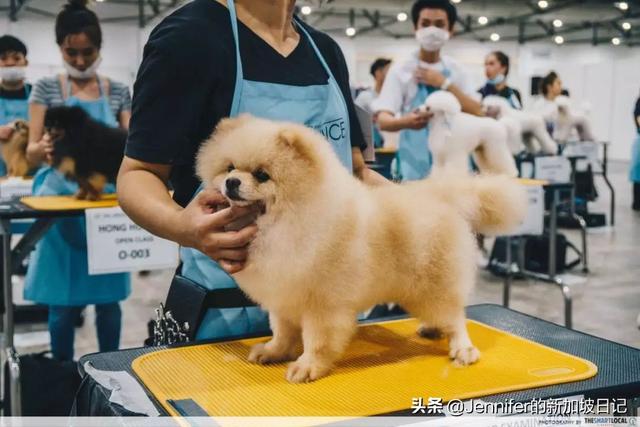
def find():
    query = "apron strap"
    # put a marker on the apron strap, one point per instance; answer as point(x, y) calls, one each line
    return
point(65, 87)
point(239, 75)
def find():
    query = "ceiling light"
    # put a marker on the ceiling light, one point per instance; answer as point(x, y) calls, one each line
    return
point(543, 4)
point(557, 23)
point(456, 1)
point(558, 39)
point(402, 16)
point(615, 41)
point(623, 5)
point(483, 20)
point(350, 31)
point(306, 10)
point(626, 26)
point(494, 37)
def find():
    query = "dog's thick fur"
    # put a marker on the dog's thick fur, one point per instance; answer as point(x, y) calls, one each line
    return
point(533, 130)
point(569, 119)
point(14, 150)
point(453, 135)
point(85, 150)
point(329, 246)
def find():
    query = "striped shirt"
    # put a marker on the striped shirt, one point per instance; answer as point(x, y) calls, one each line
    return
point(47, 91)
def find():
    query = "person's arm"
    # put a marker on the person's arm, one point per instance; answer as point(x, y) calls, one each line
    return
point(143, 195)
point(363, 173)
point(38, 147)
point(415, 120)
point(437, 79)
point(125, 117)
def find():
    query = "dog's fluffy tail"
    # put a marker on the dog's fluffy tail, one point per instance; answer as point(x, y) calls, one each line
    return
point(493, 204)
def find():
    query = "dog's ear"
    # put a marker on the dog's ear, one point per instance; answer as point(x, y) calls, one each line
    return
point(295, 139)
point(227, 125)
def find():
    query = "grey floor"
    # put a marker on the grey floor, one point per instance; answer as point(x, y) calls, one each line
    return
point(606, 304)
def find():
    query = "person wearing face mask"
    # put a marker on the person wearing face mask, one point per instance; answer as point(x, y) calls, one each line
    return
point(551, 88)
point(57, 275)
point(410, 82)
point(496, 68)
point(14, 91)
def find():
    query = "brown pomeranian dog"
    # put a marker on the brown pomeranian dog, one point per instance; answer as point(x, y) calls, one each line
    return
point(14, 150)
point(330, 246)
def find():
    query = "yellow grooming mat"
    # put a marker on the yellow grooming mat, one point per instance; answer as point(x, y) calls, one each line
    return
point(386, 366)
point(70, 203)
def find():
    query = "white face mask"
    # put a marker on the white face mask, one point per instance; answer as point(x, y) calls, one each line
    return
point(83, 75)
point(13, 74)
point(432, 38)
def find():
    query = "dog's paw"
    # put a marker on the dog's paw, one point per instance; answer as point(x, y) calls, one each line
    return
point(430, 333)
point(304, 371)
point(262, 354)
point(464, 356)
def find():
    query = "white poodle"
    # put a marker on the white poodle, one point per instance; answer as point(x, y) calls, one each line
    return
point(453, 135)
point(533, 131)
point(569, 119)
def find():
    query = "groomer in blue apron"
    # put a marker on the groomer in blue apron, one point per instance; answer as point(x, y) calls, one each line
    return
point(634, 173)
point(210, 60)
point(14, 92)
point(58, 270)
point(496, 69)
point(410, 82)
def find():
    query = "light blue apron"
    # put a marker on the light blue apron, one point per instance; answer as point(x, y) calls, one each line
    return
point(321, 107)
point(634, 172)
point(413, 160)
point(58, 270)
point(10, 110)
point(513, 100)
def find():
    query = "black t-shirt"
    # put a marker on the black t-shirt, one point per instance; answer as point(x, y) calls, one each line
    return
point(16, 94)
point(505, 92)
point(186, 82)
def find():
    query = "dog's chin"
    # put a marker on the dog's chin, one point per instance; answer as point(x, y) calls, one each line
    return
point(244, 203)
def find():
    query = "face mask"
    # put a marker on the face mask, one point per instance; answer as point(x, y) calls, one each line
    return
point(13, 74)
point(496, 80)
point(83, 75)
point(432, 38)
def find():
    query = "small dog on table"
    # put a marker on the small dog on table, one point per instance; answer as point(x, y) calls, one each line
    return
point(14, 150)
point(84, 150)
point(353, 245)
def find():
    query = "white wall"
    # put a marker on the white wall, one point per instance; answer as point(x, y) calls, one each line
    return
point(120, 52)
point(606, 78)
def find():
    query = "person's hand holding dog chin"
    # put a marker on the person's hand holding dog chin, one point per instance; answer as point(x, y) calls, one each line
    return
point(207, 218)
point(417, 119)
point(6, 131)
point(44, 148)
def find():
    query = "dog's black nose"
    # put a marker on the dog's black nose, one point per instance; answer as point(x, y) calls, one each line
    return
point(232, 184)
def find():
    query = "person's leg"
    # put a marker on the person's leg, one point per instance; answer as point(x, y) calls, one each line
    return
point(108, 324)
point(636, 196)
point(62, 330)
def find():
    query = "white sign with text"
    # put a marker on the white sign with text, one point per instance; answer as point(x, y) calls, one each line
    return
point(533, 223)
point(555, 169)
point(116, 244)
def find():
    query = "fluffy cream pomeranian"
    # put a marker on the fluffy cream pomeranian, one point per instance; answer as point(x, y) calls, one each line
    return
point(329, 246)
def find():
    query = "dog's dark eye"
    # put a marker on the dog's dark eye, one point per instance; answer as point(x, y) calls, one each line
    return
point(261, 175)
point(230, 167)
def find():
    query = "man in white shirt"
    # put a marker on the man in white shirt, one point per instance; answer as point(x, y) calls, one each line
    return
point(365, 99)
point(410, 82)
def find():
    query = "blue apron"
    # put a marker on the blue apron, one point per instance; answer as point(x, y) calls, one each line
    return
point(634, 172)
point(321, 107)
point(58, 270)
point(413, 160)
point(513, 99)
point(10, 110)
